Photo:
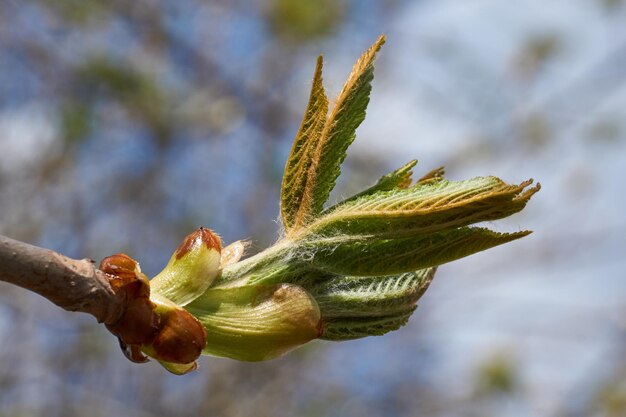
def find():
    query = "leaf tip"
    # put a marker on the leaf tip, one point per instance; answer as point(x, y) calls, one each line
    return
point(527, 193)
point(433, 175)
point(509, 237)
point(370, 54)
point(382, 39)
point(317, 76)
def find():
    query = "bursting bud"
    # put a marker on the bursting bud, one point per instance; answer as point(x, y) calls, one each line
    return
point(192, 268)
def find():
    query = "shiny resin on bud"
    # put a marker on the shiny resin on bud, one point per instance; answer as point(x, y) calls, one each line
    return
point(139, 323)
point(180, 338)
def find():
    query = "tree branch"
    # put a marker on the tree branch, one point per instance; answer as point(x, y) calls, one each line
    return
point(74, 285)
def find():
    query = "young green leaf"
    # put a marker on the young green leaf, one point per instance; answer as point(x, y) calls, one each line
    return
point(364, 256)
point(341, 297)
point(357, 327)
point(425, 208)
point(329, 150)
point(294, 186)
point(400, 178)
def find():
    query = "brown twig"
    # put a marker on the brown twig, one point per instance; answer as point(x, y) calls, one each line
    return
point(72, 284)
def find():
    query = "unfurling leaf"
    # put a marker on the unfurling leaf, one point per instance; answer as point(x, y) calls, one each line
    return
point(425, 208)
point(363, 257)
point(294, 186)
point(350, 328)
point(352, 296)
point(398, 179)
point(328, 149)
point(354, 307)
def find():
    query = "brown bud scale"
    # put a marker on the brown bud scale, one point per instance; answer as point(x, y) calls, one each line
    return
point(181, 337)
point(139, 323)
point(201, 236)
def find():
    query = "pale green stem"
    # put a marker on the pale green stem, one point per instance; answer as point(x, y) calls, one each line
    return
point(273, 264)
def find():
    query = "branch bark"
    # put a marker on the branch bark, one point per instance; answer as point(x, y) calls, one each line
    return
point(72, 284)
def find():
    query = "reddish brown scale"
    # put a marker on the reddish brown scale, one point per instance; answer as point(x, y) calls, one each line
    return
point(197, 238)
point(120, 265)
point(139, 323)
point(181, 337)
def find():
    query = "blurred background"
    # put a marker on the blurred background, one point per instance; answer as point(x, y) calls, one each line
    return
point(126, 125)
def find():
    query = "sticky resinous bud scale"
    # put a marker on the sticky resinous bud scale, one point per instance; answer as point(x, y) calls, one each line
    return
point(154, 322)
